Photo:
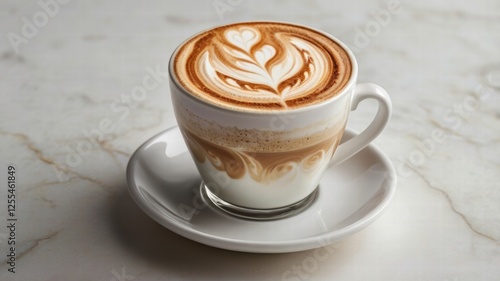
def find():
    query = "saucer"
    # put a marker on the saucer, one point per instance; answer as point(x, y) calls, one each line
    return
point(163, 180)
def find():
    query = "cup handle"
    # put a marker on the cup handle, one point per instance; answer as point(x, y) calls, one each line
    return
point(354, 145)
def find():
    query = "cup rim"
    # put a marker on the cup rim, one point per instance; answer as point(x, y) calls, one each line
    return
point(350, 83)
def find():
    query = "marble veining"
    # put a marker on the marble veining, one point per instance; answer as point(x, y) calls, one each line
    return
point(72, 116)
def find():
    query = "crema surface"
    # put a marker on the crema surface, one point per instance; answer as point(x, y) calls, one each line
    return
point(262, 66)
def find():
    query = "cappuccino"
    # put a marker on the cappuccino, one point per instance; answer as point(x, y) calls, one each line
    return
point(262, 107)
point(262, 66)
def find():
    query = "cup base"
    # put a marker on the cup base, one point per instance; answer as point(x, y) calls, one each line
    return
point(256, 214)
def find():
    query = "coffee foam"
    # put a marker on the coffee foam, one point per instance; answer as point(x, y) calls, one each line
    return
point(262, 66)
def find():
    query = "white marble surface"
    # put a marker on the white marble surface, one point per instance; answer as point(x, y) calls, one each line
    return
point(76, 220)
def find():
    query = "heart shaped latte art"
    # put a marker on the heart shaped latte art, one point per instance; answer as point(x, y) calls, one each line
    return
point(250, 68)
point(264, 66)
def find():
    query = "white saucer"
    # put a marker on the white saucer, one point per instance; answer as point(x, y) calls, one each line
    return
point(164, 182)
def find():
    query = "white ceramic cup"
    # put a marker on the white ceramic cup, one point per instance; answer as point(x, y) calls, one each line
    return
point(295, 184)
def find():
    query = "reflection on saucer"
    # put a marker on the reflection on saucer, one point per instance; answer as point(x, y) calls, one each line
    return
point(164, 182)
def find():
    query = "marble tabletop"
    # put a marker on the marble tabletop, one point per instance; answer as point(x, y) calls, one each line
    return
point(68, 126)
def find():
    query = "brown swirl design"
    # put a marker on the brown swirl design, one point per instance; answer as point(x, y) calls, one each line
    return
point(262, 65)
point(261, 166)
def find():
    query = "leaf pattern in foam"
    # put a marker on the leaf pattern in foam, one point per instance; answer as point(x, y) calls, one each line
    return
point(251, 69)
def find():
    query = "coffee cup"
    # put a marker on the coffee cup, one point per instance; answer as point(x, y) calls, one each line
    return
point(262, 107)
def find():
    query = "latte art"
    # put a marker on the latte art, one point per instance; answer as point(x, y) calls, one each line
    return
point(262, 66)
point(261, 72)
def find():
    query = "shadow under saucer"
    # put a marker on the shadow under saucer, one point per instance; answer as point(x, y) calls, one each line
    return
point(164, 182)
